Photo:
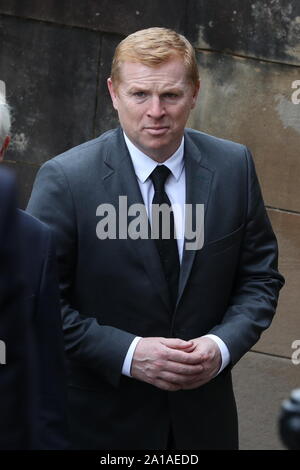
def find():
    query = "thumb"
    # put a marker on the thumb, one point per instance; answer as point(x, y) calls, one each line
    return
point(176, 343)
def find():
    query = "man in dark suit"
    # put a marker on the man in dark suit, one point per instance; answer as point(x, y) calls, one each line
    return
point(152, 329)
point(32, 377)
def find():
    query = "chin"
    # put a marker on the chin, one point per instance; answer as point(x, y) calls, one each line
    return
point(159, 141)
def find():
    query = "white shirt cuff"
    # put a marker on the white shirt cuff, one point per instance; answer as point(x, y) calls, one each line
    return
point(128, 358)
point(223, 350)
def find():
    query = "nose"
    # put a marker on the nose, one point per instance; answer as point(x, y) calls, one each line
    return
point(156, 108)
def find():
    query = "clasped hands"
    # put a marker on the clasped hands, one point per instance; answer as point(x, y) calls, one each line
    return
point(173, 364)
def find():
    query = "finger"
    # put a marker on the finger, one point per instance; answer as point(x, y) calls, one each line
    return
point(189, 349)
point(164, 385)
point(178, 379)
point(203, 378)
point(182, 357)
point(183, 369)
point(176, 343)
point(200, 356)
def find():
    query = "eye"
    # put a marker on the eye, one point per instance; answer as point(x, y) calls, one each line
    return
point(139, 94)
point(171, 96)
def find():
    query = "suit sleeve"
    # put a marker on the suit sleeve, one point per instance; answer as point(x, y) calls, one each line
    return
point(52, 428)
point(254, 298)
point(9, 243)
point(102, 348)
point(13, 326)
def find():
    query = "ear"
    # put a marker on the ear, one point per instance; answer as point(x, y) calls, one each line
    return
point(195, 94)
point(113, 93)
point(4, 147)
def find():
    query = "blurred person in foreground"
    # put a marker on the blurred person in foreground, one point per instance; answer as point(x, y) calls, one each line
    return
point(153, 328)
point(32, 376)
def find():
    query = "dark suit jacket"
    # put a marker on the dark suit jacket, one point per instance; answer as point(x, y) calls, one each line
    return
point(32, 382)
point(113, 290)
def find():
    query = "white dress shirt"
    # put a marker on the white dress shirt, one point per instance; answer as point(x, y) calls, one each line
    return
point(175, 189)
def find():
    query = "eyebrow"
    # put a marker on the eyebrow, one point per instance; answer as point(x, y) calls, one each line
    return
point(135, 88)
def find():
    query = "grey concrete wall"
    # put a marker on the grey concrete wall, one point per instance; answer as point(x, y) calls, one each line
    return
point(55, 57)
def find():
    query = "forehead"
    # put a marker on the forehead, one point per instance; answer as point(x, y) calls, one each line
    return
point(170, 73)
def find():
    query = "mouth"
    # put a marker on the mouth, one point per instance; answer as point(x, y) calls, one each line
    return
point(156, 130)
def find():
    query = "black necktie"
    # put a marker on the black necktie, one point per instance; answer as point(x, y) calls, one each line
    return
point(166, 242)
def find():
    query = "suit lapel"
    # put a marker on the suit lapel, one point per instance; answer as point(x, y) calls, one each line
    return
point(198, 186)
point(119, 179)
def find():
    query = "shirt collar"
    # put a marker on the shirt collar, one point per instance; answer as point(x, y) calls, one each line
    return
point(144, 165)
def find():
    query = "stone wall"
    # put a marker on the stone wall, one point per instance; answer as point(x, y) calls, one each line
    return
point(249, 57)
point(55, 58)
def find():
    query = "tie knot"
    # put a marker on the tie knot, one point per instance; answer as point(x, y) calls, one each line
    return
point(159, 176)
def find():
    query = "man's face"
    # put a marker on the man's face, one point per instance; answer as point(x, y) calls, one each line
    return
point(153, 105)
